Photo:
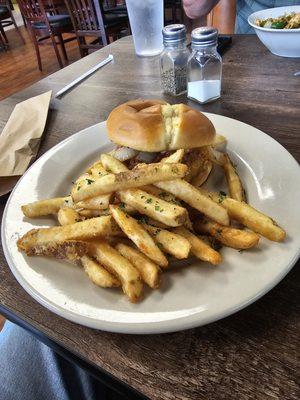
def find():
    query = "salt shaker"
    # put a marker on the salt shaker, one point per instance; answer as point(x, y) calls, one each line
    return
point(173, 60)
point(204, 70)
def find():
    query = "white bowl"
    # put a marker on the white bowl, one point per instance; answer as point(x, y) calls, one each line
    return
point(282, 42)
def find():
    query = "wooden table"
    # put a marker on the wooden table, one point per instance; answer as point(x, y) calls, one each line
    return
point(253, 354)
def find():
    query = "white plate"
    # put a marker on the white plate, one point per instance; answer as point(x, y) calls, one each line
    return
point(190, 296)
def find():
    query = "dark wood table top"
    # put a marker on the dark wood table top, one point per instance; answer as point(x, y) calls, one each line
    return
point(253, 354)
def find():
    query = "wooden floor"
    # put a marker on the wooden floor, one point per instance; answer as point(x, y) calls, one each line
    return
point(18, 65)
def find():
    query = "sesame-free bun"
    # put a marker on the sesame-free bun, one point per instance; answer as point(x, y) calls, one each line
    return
point(154, 125)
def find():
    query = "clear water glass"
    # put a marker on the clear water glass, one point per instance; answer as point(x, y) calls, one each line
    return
point(146, 20)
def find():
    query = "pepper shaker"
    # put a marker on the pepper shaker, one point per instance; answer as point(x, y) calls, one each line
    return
point(173, 60)
point(204, 68)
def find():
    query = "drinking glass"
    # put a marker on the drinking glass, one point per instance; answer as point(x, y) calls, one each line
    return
point(146, 20)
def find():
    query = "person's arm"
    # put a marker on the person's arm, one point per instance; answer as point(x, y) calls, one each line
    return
point(198, 8)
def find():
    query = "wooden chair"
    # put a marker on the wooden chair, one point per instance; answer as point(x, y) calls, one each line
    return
point(89, 20)
point(173, 6)
point(6, 19)
point(222, 16)
point(43, 22)
point(3, 44)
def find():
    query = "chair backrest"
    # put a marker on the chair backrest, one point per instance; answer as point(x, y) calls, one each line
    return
point(222, 16)
point(86, 15)
point(32, 10)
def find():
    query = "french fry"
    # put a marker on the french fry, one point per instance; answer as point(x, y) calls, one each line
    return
point(199, 248)
point(170, 242)
point(97, 170)
point(219, 140)
point(215, 156)
point(120, 267)
point(68, 216)
point(94, 270)
point(154, 207)
point(150, 272)
point(169, 197)
point(235, 186)
point(71, 250)
point(249, 216)
point(89, 229)
point(230, 237)
point(192, 196)
point(139, 236)
point(202, 174)
point(176, 157)
point(129, 179)
point(93, 213)
point(97, 274)
point(43, 208)
point(110, 163)
point(116, 166)
point(95, 203)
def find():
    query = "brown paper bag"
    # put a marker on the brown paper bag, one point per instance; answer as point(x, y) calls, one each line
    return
point(20, 139)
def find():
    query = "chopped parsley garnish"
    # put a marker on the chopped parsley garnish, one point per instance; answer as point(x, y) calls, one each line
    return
point(122, 205)
point(78, 187)
point(149, 200)
point(89, 181)
point(219, 231)
point(222, 196)
point(142, 197)
point(157, 208)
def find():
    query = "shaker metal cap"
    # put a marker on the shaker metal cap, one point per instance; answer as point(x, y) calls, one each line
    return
point(204, 36)
point(174, 33)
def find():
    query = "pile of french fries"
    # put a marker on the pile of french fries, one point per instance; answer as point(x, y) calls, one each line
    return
point(124, 226)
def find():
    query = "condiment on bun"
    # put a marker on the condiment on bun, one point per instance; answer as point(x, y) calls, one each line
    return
point(154, 126)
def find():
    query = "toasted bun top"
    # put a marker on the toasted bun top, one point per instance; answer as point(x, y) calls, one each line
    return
point(154, 125)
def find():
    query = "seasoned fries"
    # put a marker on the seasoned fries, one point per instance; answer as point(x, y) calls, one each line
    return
point(43, 208)
point(188, 193)
point(142, 175)
point(71, 250)
point(95, 203)
point(124, 221)
point(120, 267)
point(97, 274)
point(170, 242)
point(199, 248)
point(139, 236)
point(154, 207)
point(230, 237)
point(250, 217)
point(176, 157)
point(68, 216)
point(112, 164)
point(233, 180)
point(89, 229)
point(149, 271)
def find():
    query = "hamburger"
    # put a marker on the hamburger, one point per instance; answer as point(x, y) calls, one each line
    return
point(145, 130)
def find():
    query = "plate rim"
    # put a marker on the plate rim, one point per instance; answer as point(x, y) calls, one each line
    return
point(158, 327)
